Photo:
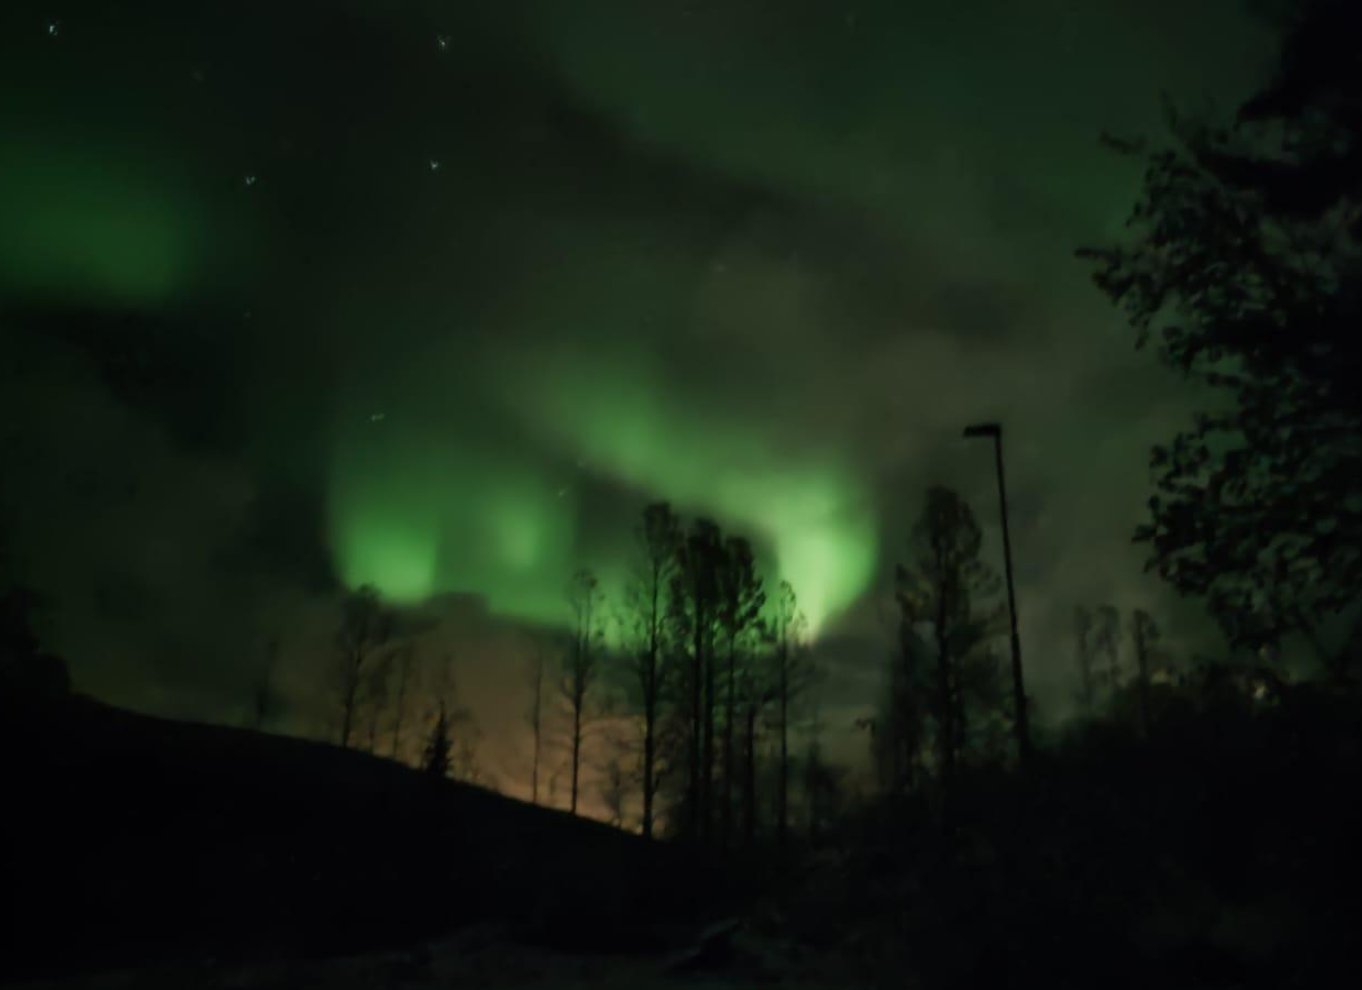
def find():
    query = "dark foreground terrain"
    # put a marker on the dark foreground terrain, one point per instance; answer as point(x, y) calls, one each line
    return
point(130, 840)
point(1221, 850)
point(1224, 850)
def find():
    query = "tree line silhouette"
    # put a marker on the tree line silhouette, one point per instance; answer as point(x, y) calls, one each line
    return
point(1190, 795)
point(686, 681)
point(1242, 267)
point(697, 684)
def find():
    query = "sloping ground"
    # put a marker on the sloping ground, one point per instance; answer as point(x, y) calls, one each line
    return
point(1222, 852)
point(129, 839)
point(488, 957)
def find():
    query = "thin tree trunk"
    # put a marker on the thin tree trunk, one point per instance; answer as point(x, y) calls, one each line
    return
point(1082, 632)
point(649, 757)
point(1142, 673)
point(536, 723)
point(961, 716)
point(729, 714)
point(348, 705)
point(749, 817)
point(812, 787)
point(783, 784)
point(707, 778)
point(534, 768)
point(400, 704)
point(697, 722)
point(946, 742)
point(651, 681)
point(581, 673)
point(576, 749)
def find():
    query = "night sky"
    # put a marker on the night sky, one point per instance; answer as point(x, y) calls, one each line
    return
point(299, 295)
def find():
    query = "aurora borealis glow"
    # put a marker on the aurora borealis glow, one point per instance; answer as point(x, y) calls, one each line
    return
point(759, 259)
point(418, 514)
point(81, 221)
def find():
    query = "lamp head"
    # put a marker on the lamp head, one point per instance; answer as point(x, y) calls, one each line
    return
point(984, 430)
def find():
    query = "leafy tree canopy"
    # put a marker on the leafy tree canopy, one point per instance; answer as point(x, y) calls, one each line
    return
point(1244, 266)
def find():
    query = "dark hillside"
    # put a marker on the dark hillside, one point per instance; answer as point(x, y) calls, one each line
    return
point(129, 838)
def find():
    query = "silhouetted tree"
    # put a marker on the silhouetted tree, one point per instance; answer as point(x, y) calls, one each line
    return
point(580, 672)
point(899, 731)
point(366, 625)
point(1245, 264)
point(694, 607)
point(464, 763)
point(755, 692)
point(1145, 636)
point(987, 724)
point(740, 600)
point(791, 675)
point(940, 589)
point(614, 791)
point(377, 695)
point(1083, 654)
point(535, 715)
point(405, 663)
point(1106, 638)
point(437, 757)
point(459, 728)
point(822, 784)
point(659, 541)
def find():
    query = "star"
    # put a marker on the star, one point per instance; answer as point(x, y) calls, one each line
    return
point(377, 417)
point(435, 165)
point(250, 180)
point(442, 42)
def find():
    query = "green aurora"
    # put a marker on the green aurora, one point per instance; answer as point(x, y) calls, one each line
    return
point(416, 517)
point(95, 224)
point(443, 317)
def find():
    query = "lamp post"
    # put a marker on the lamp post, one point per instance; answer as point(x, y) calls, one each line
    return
point(995, 431)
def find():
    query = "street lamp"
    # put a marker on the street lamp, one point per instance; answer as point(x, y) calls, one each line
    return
point(995, 431)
